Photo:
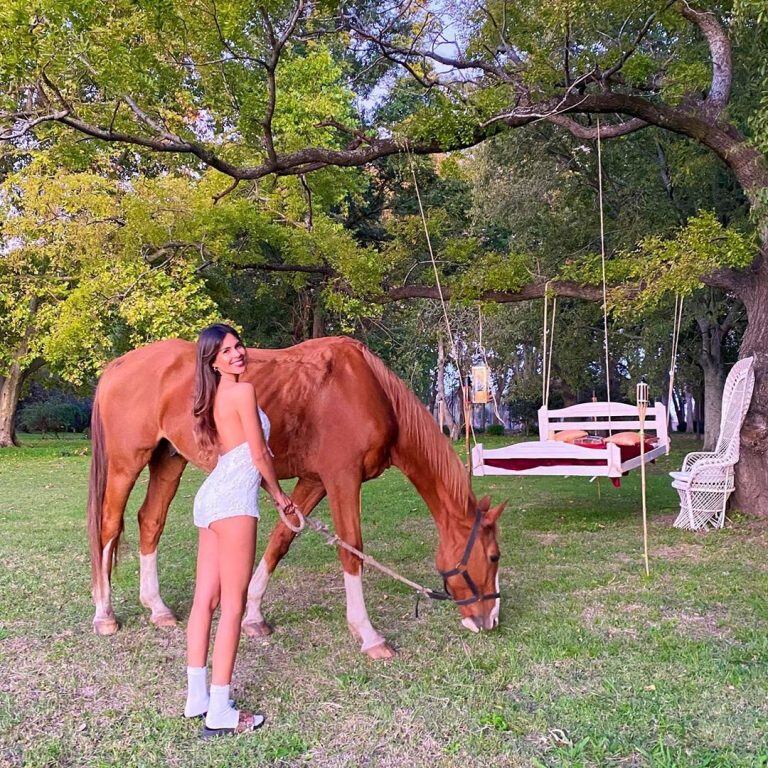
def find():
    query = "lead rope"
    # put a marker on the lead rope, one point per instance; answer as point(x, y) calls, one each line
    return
point(602, 263)
point(333, 540)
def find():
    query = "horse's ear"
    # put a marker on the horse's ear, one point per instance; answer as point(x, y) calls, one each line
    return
point(493, 514)
point(484, 504)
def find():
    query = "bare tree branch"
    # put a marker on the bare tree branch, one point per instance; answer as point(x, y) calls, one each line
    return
point(720, 54)
point(632, 48)
point(266, 267)
point(590, 132)
point(277, 44)
point(388, 49)
point(28, 124)
point(534, 290)
point(230, 188)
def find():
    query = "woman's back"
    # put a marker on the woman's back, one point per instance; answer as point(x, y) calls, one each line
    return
point(229, 424)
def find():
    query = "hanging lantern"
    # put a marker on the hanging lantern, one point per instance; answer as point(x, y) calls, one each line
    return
point(480, 384)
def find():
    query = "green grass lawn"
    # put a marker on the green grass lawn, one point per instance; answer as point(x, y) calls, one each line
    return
point(593, 665)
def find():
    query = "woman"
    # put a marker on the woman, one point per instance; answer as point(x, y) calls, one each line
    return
point(228, 422)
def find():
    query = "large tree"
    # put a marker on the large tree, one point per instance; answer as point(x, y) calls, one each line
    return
point(79, 279)
point(226, 84)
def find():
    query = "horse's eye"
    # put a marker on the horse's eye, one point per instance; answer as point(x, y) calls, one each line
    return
point(495, 558)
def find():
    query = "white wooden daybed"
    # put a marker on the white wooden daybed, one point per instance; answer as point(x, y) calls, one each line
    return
point(589, 456)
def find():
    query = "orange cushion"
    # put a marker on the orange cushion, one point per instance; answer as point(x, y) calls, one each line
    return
point(570, 435)
point(624, 438)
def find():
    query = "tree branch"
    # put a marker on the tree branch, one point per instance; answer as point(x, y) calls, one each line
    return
point(607, 131)
point(720, 54)
point(638, 39)
point(735, 312)
point(535, 290)
point(308, 269)
point(388, 49)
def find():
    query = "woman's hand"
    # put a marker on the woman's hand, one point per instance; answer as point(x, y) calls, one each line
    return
point(286, 507)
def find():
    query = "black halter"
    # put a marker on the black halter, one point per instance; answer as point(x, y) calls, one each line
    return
point(461, 570)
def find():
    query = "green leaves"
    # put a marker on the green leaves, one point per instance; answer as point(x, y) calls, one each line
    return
point(644, 277)
point(76, 278)
point(677, 264)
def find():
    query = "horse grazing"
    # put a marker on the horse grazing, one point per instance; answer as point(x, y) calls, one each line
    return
point(339, 417)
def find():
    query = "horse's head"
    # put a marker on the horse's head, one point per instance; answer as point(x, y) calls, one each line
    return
point(468, 560)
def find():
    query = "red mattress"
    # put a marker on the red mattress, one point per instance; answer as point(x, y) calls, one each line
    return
point(531, 462)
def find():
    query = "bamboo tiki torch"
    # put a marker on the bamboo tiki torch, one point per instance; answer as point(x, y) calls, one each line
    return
point(642, 408)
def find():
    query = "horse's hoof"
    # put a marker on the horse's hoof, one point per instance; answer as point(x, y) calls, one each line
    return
point(106, 626)
point(257, 629)
point(163, 620)
point(382, 651)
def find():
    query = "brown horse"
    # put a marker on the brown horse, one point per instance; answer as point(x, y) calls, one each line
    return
point(339, 417)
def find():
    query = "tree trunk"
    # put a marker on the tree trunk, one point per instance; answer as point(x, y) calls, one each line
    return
point(700, 412)
point(714, 383)
point(9, 401)
point(14, 379)
point(688, 409)
point(450, 422)
point(752, 470)
point(679, 405)
point(318, 317)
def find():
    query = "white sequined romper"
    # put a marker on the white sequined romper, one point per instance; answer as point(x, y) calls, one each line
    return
point(233, 487)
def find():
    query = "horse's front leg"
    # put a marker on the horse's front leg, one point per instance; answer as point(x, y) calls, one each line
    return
point(344, 498)
point(165, 471)
point(306, 496)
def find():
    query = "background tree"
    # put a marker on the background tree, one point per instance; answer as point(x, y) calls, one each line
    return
point(210, 81)
point(75, 288)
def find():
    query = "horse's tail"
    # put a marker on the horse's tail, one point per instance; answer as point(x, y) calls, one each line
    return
point(97, 484)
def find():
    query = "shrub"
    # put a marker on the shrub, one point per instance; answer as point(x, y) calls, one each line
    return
point(54, 417)
point(497, 430)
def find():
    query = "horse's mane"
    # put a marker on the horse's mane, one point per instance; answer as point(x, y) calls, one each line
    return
point(419, 432)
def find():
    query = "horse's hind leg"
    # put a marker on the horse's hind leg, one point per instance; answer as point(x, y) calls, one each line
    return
point(344, 499)
point(118, 488)
point(305, 496)
point(165, 470)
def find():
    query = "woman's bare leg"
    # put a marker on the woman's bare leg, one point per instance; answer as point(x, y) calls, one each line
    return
point(236, 538)
point(207, 591)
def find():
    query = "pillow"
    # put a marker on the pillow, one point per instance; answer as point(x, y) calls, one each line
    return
point(570, 435)
point(625, 438)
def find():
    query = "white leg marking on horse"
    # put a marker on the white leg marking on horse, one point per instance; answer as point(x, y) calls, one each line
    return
point(494, 622)
point(357, 615)
point(256, 589)
point(149, 587)
point(101, 590)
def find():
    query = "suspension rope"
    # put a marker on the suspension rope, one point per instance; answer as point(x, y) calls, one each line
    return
point(547, 344)
point(602, 264)
point(454, 351)
point(551, 346)
point(544, 348)
point(678, 318)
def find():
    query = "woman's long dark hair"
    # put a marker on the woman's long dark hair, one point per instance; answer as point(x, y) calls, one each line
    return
point(207, 382)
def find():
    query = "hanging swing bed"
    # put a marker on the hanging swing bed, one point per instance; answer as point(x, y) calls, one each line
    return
point(567, 443)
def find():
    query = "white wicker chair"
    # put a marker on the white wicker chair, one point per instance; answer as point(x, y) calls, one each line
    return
point(706, 479)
